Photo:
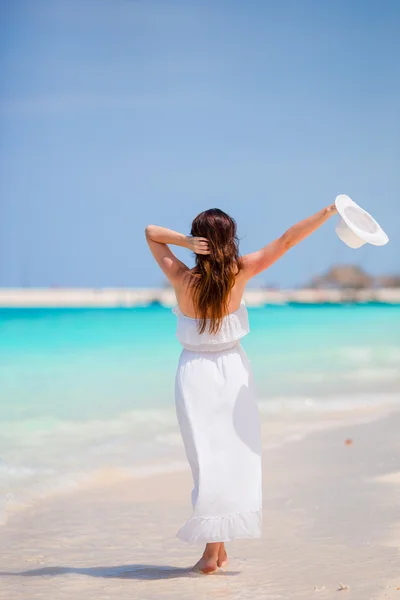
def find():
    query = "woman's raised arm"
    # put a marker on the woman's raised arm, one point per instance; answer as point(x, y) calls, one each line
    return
point(162, 235)
point(158, 239)
point(256, 262)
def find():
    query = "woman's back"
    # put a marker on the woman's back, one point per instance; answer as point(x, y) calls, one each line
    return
point(186, 297)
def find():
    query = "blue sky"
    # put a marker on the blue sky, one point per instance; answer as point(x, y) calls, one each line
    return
point(119, 113)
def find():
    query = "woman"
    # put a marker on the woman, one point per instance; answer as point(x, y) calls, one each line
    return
point(214, 392)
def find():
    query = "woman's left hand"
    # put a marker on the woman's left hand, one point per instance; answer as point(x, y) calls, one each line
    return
point(199, 245)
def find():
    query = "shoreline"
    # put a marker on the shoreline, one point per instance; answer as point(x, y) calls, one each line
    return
point(331, 514)
point(130, 297)
point(281, 424)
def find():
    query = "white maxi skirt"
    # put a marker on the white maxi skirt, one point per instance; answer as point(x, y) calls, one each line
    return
point(220, 426)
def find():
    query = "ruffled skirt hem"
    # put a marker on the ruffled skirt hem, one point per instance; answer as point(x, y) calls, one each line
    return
point(222, 529)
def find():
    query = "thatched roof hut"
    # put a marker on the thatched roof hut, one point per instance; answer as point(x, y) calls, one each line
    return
point(388, 281)
point(343, 277)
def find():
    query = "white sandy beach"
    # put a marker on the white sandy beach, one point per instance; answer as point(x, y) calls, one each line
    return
point(331, 517)
point(126, 297)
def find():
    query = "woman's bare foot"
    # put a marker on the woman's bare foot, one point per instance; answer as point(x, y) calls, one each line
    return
point(209, 561)
point(222, 561)
point(206, 566)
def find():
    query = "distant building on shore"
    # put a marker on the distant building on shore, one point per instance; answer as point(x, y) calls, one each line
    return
point(352, 277)
point(389, 281)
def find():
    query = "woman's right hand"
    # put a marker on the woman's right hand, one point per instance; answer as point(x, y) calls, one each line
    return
point(332, 209)
point(199, 245)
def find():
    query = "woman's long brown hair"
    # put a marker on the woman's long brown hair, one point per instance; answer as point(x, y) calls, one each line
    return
point(214, 273)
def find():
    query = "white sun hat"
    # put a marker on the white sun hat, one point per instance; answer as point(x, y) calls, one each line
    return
point(356, 226)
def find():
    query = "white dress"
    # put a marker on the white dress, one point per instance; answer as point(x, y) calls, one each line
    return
point(220, 426)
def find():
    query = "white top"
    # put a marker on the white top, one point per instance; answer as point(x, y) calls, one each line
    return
point(234, 326)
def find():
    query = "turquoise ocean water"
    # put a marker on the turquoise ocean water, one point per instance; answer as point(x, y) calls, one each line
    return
point(83, 390)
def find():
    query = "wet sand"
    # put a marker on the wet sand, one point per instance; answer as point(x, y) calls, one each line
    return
point(331, 517)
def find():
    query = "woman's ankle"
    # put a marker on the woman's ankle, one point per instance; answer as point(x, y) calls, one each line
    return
point(211, 551)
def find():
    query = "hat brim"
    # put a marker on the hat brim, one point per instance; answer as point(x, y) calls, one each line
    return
point(377, 237)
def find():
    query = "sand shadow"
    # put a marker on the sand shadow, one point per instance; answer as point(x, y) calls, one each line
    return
point(137, 571)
